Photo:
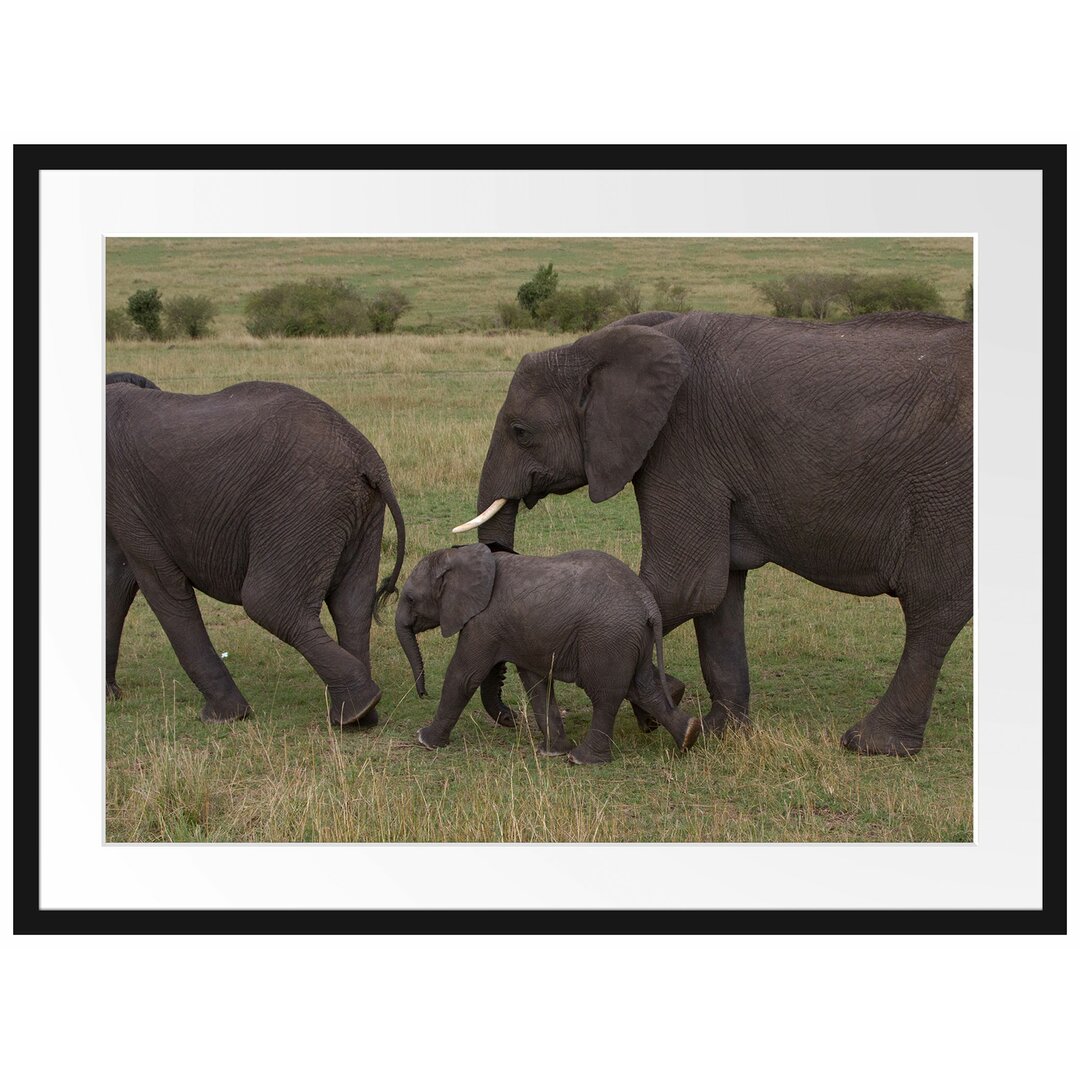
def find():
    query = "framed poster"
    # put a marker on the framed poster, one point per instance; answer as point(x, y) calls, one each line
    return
point(144, 810)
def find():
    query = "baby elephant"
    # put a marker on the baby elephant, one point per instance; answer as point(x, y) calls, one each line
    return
point(583, 617)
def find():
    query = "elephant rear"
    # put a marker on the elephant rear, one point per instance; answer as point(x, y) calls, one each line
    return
point(261, 495)
point(221, 480)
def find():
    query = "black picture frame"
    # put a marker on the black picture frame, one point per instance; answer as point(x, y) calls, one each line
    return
point(31, 160)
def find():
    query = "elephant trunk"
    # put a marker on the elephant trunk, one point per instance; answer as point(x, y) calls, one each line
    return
point(407, 637)
point(500, 527)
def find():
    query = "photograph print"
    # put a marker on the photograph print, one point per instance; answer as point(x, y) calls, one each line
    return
point(569, 539)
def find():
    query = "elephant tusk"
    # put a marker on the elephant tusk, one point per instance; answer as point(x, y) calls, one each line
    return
point(479, 520)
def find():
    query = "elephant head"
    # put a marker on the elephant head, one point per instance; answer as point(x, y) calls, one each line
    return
point(585, 413)
point(446, 588)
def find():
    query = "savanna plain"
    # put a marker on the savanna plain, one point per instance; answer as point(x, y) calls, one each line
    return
point(426, 396)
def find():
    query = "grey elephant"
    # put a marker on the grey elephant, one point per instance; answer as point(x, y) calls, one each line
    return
point(261, 495)
point(582, 617)
point(842, 452)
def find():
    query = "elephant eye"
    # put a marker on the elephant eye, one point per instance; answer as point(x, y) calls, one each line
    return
point(520, 432)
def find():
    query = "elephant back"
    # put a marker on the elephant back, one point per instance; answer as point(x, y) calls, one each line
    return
point(131, 378)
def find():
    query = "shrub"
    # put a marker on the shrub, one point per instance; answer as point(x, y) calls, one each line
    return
point(144, 307)
point(118, 325)
point(579, 309)
point(540, 302)
point(786, 302)
point(969, 302)
point(513, 317)
point(598, 304)
point(891, 292)
point(815, 294)
point(561, 311)
point(628, 297)
point(670, 296)
point(189, 316)
point(820, 291)
point(538, 289)
point(810, 294)
point(385, 310)
point(313, 308)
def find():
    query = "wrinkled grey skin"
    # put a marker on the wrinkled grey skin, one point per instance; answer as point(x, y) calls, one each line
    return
point(260, 495)
point(842, 452)
point(583, 617)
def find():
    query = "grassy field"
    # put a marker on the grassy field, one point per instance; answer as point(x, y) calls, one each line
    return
point(455, 284)
point(818, 659)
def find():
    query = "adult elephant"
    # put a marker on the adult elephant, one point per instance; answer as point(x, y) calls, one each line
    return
point(842, 452)
point(260, 495)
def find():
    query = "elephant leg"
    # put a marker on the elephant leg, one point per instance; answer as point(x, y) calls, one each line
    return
point(676, 687)
point(353, 693)
point(896, 723)
point(491, 696)
point(647, 695)
point(595, 748)
point(546, 716)
point(497, 709)
point(352, 603)
point(459, 684)
point(721, 641)
point(120, 590)
point(172, 600)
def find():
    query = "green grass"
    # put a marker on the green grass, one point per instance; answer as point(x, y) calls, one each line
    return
point(818, 659)
point(455, 284)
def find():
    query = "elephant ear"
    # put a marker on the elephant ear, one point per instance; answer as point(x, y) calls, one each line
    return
point(637, 372)
point(467, 577)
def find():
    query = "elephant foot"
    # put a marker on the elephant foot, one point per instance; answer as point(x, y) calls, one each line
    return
point(557, 747)
point(350, 705)
point(431, 738)
point(112, 692)
point(592, 750)
point(721, 718)
point(676, 687)
point(366, 722)
point(867, 738)
point(684, 729)
point(586, 755)
point(224, 712)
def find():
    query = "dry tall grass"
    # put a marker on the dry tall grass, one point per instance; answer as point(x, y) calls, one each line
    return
point(266, 785)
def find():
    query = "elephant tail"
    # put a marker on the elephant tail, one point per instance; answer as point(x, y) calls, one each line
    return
point(389, 583)
point(658, 642)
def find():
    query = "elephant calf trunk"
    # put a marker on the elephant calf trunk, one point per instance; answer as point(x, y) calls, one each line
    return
point(411, 647)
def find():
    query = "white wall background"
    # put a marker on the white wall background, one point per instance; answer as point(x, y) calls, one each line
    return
point(488, 72)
